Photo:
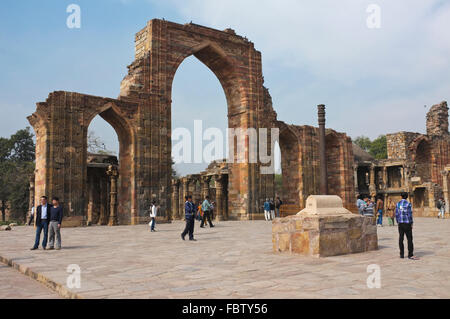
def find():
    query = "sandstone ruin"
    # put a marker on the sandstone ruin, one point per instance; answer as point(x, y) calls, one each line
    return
point(417, 164)
point(141, 117)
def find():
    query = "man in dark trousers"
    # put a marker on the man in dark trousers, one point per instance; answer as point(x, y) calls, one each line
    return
point(207, 211)
point(403, 214)
point(189, 213)
point(56, 216)
point(42, 218)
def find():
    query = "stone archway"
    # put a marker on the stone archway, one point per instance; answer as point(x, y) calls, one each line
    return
point(290, 167)
point(160, 48)
point(423, 160)
point(61, 126)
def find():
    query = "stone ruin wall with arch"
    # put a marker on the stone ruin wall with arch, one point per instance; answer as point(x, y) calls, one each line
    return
point(141, 117)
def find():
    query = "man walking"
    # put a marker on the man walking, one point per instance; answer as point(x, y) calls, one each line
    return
point(267, 209)
point(56, 216)
point(272, 209)
point(441, 206)
point(403, 214)
point(33, 210)
point(207, 209)
point(189, 213)
point(278, 204)
point(42, 216)
point(380, 209)
point(153, 213)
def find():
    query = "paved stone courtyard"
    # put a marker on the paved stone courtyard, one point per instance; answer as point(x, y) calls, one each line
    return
point(232, 260)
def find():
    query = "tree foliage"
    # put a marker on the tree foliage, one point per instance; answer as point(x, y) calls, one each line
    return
point(377, 148)
point(97, 146)
point(17, 155)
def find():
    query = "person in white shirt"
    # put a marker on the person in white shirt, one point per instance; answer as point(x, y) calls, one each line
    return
point(33, 209)
point(42, 220)
point(153, 214)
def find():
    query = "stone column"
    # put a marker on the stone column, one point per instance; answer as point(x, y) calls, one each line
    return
point(385, 178)
point(322, 151)
point(205, 186)
point(355, 179)
point(90, 187)
point(402, 179)
point(220, 213)
point(445, 174)
point(113, 174)
point(175, 199)
point(372, 187)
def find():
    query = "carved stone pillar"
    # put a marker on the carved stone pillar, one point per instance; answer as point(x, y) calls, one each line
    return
point(91, 204)
point(355, 179)
point(402, 179)
point(445, 174)
point(175, 199)
point(385, 178)
point(220, 196)
point(113, 174)
point(372, 187)
point(322, 151)
point(205, 186)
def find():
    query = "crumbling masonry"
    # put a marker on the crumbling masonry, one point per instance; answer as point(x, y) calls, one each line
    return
point(141, 117)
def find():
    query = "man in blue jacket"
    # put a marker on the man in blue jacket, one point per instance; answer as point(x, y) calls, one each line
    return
point(42, 217)
point(189, 213)
point(403, 214)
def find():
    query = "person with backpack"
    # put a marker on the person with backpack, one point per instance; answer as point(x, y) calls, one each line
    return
point(404, 216)
point(441, 207)
point(206, 208)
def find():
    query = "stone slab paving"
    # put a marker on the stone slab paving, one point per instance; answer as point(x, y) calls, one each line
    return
point(14, 285)
point(232, 260)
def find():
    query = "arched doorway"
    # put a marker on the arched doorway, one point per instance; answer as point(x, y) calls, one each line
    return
point(125, 166)
point(423, 160)
point(290, 167)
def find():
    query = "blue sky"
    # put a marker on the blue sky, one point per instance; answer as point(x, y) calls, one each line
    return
point(373, 81)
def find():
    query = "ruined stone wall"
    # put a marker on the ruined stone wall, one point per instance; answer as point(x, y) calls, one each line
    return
point(61, 124)
point(160, 48)
point(301, 164)
point(397, 144)
point(437, 120)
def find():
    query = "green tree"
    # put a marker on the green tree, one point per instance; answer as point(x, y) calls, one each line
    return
point(363, 142)
point(16, 165)
point(378, 147)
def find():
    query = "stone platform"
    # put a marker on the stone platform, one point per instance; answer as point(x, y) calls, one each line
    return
point(232, 260)
point(324, 228)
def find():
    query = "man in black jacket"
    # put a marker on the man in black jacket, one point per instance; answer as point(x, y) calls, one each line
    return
point(42, 218)
point(56, 216)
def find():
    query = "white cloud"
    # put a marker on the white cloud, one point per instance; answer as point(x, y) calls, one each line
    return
point(405, 62)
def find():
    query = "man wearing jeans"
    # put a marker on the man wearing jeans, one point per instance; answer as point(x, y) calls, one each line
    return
point(56, 215)
point(403, 214)
point(42, 216)
point(189, 214)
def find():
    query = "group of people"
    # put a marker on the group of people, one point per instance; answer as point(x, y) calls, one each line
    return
point(402, 212)
point(48, 218)
point(271, 207)
point(368, 207)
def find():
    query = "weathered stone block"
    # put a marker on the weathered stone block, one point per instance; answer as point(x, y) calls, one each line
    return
point(318, 232)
